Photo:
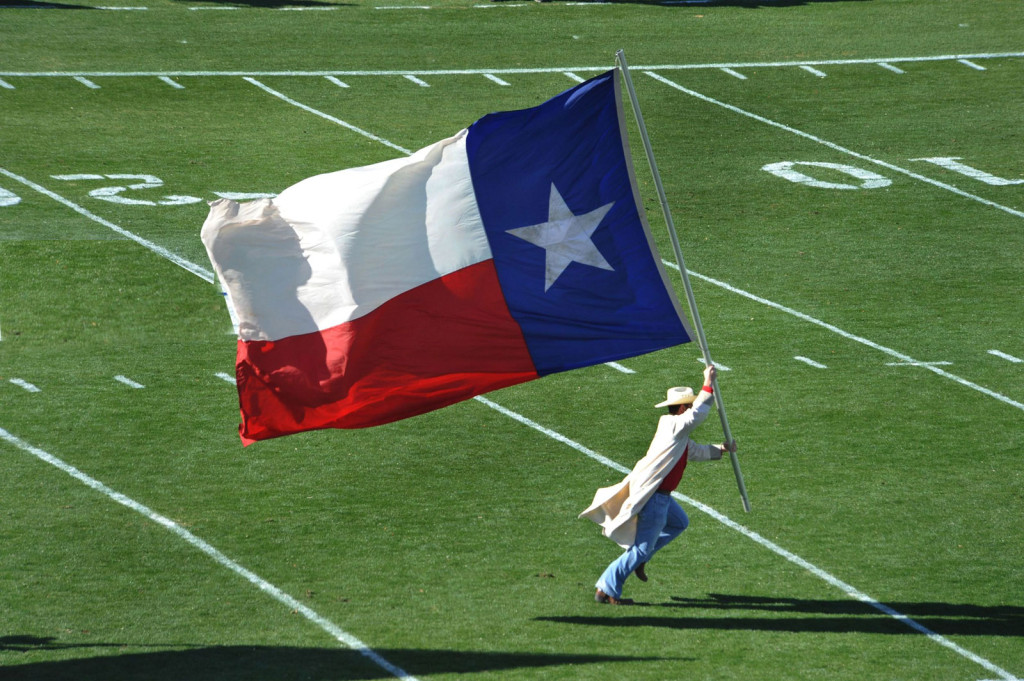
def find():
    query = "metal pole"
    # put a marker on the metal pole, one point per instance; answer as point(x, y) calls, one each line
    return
point(620, 57)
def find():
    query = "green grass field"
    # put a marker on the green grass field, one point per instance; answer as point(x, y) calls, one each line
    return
point(872, 336)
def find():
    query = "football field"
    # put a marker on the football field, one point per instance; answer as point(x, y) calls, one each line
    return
point(847, 182)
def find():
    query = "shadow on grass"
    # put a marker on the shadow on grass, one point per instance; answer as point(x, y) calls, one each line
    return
point(33, 4)
point(818, 616)
point(261, 663)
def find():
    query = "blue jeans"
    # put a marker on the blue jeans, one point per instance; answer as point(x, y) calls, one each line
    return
point(660, 521)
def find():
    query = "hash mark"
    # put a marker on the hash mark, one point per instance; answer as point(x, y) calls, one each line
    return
point(418, 81)
point(128, 382)
point(25, 384)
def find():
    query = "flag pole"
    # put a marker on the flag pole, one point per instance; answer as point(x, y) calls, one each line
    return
point(620, 58)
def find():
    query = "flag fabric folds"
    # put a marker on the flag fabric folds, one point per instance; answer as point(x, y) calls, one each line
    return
point(512, 250)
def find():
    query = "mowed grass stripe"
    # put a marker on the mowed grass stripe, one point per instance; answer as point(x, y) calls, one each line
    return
point(776, 117)
point(263, 585)
point(850, 591)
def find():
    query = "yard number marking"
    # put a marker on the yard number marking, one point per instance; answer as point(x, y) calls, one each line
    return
point(195, 269)
point(868, 178)
point(834, 146)
point(113, 194)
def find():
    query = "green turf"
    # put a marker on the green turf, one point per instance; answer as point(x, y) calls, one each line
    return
point(449, 543)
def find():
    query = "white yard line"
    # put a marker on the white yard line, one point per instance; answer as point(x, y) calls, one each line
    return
point(850, 591)
point(850, 336)
point(263, 585)
point(563, 69)
point(195, 269)
point(328, 117)
point(836, 147)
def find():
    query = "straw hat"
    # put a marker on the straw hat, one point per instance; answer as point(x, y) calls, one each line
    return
point(678, 396)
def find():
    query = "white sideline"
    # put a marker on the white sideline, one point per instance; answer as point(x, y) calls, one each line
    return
point(263, 585)
point(563, 69)
point(849, 590)
point(836, 147)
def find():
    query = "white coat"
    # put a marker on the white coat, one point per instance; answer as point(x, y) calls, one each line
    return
point(616, 508)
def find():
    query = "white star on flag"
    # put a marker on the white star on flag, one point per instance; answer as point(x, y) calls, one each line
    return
point(565, 237)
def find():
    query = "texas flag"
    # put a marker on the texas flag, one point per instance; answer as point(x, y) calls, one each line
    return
point(515, 249)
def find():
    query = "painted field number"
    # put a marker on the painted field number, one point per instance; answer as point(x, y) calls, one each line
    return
point(119, 193)
point(114, 194)
point(8, 198)
point(803, 172)
point(867, 179)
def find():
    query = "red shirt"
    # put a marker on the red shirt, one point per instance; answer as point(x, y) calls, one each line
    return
point(671, 480)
